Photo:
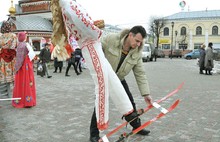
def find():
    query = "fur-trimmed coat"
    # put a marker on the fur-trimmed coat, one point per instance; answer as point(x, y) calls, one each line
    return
point(209, 58)
point(112, 48)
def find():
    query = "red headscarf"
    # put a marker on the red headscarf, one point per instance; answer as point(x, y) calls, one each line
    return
point(21, 36)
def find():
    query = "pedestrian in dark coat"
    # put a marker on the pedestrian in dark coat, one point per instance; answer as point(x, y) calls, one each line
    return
point(209, 59)
point(45, 58)
point(58, 64)
point(71, 61)
point(202, 59)
point(78, 56)
point(155, 53)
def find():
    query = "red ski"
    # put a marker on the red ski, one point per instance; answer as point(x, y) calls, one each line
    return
point(145, 110)
point(126, 136)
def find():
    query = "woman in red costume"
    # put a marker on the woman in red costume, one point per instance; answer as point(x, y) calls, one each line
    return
point(24, 86)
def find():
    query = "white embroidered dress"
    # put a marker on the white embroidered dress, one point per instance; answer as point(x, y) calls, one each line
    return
point(80, 25)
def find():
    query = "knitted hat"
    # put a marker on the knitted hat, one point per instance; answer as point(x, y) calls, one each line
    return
point(203, 45)
point(21, 36)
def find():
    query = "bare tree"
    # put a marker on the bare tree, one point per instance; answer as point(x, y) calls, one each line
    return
point(156, 27)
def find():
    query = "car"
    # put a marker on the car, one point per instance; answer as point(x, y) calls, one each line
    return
point(216, 54)
point(192, 55)
point(160, 54)
point(146, 52)
point(175, 53)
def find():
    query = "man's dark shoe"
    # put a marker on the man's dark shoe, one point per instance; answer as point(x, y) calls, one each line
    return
point(67, 75)
point(94, 139)
point(49, 76)
point(143, 132)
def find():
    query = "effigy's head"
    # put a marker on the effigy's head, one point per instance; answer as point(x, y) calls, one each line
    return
point(78, 22)
point(6, 27)
point(8, 40)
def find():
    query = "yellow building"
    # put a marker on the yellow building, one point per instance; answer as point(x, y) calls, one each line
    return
point(188, 30)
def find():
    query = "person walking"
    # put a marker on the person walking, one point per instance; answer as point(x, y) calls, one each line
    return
point(58, 64)
point(45, 57)
point(24, 85)
point(78, 56)
point(209, 59)
point(71, 61)
point(155, 53)
point(202, 59)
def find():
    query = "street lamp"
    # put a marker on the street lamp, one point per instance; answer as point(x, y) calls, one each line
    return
point(171, 47)
point(175, 38)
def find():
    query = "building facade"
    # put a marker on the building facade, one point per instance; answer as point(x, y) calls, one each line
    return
point(34, 17)
point(188, 30)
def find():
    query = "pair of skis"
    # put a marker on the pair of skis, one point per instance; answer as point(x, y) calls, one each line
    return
point(156, 105)
point(135, 131)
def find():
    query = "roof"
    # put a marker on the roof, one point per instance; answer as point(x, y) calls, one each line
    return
point(33, 23)
point(195, 15)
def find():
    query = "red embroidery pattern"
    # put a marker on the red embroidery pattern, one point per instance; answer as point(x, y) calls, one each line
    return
point(100, 76)
point(84, 17)
point(77, 34)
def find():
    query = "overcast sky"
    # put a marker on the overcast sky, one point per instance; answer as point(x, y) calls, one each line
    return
point(129, 12)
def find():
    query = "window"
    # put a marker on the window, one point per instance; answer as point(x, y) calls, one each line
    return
point(197, 45)
point(166, 31)
point(165, 46)
point(214, 30)
point(146, 48)
point(198, 30)
point(183, 31)
point(36, 45)
point(183, 46)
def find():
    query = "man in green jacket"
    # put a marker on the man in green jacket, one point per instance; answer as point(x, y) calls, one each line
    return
point(124, 53)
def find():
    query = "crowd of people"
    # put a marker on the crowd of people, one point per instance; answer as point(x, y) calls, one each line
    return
point(17, 59)
point(47, 54)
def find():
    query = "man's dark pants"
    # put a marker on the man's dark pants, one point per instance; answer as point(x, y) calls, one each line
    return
point(93, 126)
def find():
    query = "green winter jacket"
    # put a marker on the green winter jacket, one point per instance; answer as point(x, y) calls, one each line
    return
point(112, 47)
